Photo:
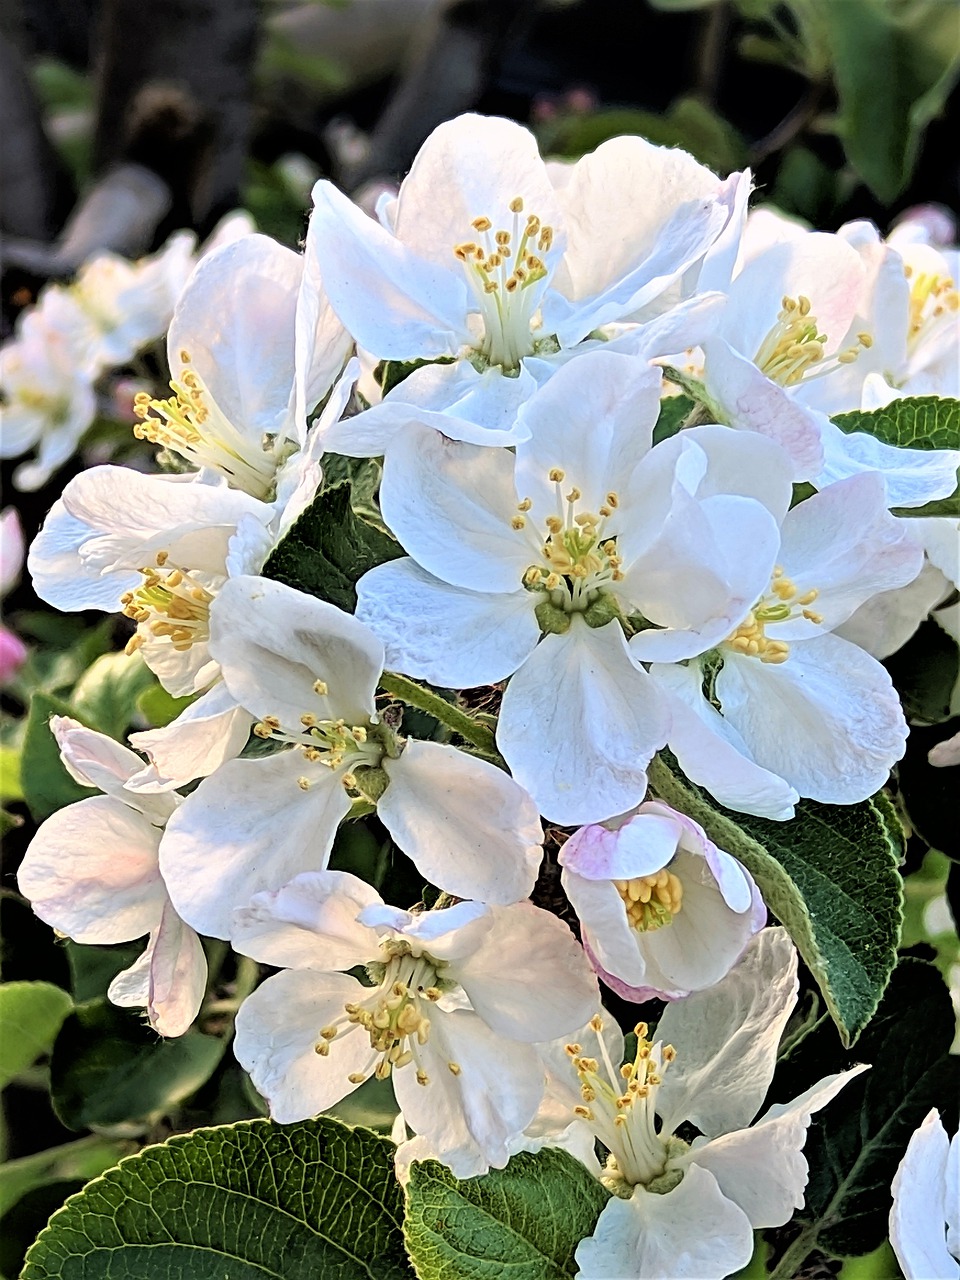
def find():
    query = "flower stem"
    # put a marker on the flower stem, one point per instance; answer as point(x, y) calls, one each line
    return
point(797, 1253)
point(415, 695)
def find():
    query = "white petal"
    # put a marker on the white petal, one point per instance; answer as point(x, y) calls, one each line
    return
point(529, 979)
point(712, 753)
point(763, 1169)
point(204, 736)
point(692, 1233)
point(917, 1228)
point(321, 344)
point(273, 643)
point(461, 638)
point(468, 827)
point(277, 1030)
point(486, 1106)
point(638, 847)
point(608, 938)
point(887, 620)
point(594, 420)
point(912, 476)
point(309, 923)
point(396, 303)
point(91, 872)
point(451, 505)
point(727, 1038)
point(93, 759)
point(233, 324)
point(248, 827)
point(579, 724)
point(828, 720)
point(169, 979)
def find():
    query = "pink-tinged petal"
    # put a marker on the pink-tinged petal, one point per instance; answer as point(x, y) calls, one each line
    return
point(248, 827)
point(579, 723)
point(594, 421)
point(486, 1105)
point(462, 638)
point(742, 464)
point(204, 736)
point(828, 720)
point(762, 1169)
point(467, 826)
point(169, 979)
point(727, 1038)
point(529, 979)
point(610, 944)
point(12, 549)
point(917, 1226)
point(692, 1233)
point(13, 654)
point(91, 758)
point(309, 923)
point(638, 847)
point(752, 402)
point(277, 1031)
point(451, 505)
point(91, 871)
point(713, 754)
point(395, 302)
point(274, 643)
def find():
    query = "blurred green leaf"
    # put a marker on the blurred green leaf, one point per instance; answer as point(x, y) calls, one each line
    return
point(159, 708)
point(108, 1068)
point(105, 696)
point(84, 1158)
point(10, 788)
point(47, 786)
point(31, 1014)
point(895, 62)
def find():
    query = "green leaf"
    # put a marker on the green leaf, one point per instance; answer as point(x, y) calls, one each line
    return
point(105, 696)
point(894, 66)
point(917, 422)
point(853, 1149)
point(310, 1201)
point(673, 412)
point(31, 1014)
point(925, 672)
point(83, 1158)
point(329, 548)
point(829, 875)
point(524, 1221)
point(10, 787)
point(47, 786)
point(108, 1068)
point(159, 708)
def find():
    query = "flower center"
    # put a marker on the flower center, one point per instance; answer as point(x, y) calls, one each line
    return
point(783, 602)
point(173, 603)
point(501, 267)
point(576, 561)
point(794, 345)
point(396, 1013)
point(619, 1105)
point(651, 901)
point(933, 302)
point(190, 424)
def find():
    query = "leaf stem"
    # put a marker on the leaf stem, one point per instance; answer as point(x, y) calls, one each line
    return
point(797, 1253)
point(415, 695)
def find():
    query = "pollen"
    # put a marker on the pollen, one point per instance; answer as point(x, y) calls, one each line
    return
point(793, 350)
point(172, 605)
point(651, 901)
point(782, 603)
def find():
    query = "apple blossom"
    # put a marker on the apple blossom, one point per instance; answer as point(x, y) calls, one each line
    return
point(662, 910)
point(525, 566)
point(684, 1209)
point(925, 1217)
point(457, 997)
point(308, 672)
point(91, 871)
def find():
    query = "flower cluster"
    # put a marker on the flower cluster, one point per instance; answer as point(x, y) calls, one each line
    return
point(603, 568)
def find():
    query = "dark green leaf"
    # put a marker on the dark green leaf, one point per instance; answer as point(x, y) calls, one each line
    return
point(673, 411)
point(917, 422)
point(310, 1201)
point(925, 672)
point(390, 373)
point(830, 875)
point(31, 1014)
point(894, 66)
point(525, 1220)
point(108, 1068)
point(329, 549)
point(855, 1146)
point(47, 786)
point(92, 969)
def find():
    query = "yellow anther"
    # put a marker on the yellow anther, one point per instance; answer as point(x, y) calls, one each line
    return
point(422, 1077)
point(651, 901)
point(516, 204)
point(320, 687)
point(556, 474)
point(525, 505)
point(518, 522)
point(303, 783)
point(321, 1048)
point(554, 524)
point(454, 1068)
point(573, 1049)
point(574, 495)
point(811, 616)
point(584, 1112)
point(308, 720)
point(481, 224)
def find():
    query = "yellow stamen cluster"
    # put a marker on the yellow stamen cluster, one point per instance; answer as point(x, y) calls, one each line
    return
point(795, 344)
point(178, 419)
point(576, 557)
point(651, 901)
point(507, 260)
point(931, 297)
point(172, 605)
point(782, 603)
point(639, 1076)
